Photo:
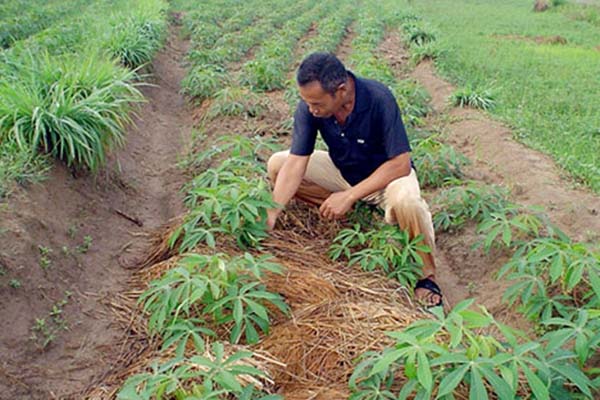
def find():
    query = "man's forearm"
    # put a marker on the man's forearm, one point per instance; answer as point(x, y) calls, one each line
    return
point(287, 182)
point(387, 172)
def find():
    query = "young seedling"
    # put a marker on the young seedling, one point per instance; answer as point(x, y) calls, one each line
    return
point(15, 283)
point(86, 245)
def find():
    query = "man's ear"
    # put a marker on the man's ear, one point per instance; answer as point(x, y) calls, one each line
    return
point(342, 89)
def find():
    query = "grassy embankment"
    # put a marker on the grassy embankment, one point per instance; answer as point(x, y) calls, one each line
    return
point(548, 93)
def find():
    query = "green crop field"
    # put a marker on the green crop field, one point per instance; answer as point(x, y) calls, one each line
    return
point(223, 308)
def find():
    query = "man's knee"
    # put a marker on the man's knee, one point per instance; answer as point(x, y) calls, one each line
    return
point(275, 163)
point(403, 205)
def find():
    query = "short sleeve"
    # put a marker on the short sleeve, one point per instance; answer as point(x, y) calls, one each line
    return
point(305, 131)
point(394, 134)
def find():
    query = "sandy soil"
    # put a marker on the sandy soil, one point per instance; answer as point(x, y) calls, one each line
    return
point(136, 193)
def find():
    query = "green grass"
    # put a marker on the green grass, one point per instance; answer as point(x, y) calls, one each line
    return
point(72, 107)
point(548, 93)
point(62, 92)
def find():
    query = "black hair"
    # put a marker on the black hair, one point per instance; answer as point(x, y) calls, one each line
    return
point(324, 68)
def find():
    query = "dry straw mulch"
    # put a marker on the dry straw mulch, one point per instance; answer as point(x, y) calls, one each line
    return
point(338, 313)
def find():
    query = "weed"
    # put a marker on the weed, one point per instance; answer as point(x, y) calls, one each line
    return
point(470, 96)
point(72, 231)
point(71, 107)
point(135, 39)
point(45, 260)
point(417, 34)
point(19, 165)
point(46, 329)
point(15, 283)
point(426, 51)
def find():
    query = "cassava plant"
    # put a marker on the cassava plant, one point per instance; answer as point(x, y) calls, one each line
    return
point(226, 289)
point(553, 276)
point(213, 375)
point(383, 248)
point(437, 163)
point(473, 201)
point(470, 352)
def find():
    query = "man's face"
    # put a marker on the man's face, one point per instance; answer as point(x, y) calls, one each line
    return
point(320, 103)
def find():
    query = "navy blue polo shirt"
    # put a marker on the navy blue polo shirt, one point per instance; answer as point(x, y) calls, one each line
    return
point(372, 134)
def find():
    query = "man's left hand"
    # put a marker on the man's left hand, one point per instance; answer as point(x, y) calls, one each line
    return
point(337, 205)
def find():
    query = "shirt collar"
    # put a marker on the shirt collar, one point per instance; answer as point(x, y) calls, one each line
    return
point(362, 100)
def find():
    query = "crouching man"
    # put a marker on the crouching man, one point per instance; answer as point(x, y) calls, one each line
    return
point(368, 156)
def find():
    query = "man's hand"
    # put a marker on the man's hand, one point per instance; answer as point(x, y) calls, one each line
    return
point(272, 215)
point(337, 205)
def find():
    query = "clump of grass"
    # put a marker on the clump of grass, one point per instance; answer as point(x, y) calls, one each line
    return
point(20, 165)
point(471, 96)
point(416, 33)
point(72, 107)
point(135, 40)
point(426, 51)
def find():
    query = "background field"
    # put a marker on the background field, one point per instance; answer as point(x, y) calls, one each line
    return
point(549, 93)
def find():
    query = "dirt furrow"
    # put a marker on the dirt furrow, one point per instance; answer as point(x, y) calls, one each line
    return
point(70, 239)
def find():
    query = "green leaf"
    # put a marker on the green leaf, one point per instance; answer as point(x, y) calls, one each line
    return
point(451, 381)
point(424, 372)
point(477, 391)
point(540, 391)
point(384, 363)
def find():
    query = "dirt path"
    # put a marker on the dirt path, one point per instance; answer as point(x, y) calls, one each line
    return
point(137, 193)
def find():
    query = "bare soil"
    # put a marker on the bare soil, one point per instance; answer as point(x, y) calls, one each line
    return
point(136, 193)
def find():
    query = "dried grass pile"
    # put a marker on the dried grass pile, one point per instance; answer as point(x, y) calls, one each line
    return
point(338, 313)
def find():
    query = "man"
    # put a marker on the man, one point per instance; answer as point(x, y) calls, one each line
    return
point(368, 157)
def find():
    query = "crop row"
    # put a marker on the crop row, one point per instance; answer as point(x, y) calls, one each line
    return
point(207, 290)
point(20, 19)
point(268, 70)
point(330, 33)
point(67, 90)
point(209, 58)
